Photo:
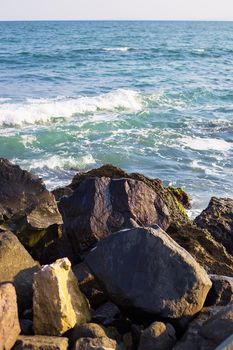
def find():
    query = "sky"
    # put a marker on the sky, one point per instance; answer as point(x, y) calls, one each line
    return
point(116, 9)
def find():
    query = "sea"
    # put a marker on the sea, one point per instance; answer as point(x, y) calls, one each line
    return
point(154, 97)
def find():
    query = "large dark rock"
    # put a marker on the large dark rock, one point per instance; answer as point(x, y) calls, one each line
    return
point(145, 269)
point(217, 218)
point(27, 208)
point(17, 266)
point(209, 253)
point(101, 206)
point(212, 326)
point(9, 322)
point(221, 292)
point(175, 207)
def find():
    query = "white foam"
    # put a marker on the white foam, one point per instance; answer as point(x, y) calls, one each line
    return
point(121, 49)
point(198, 51)
point(40, 111)
point(28, 140)
point(206, 144)
point(58, 162)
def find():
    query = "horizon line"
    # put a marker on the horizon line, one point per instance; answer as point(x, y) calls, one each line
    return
point(117, 20)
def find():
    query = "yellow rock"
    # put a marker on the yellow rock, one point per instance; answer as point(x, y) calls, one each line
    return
point(58, 304)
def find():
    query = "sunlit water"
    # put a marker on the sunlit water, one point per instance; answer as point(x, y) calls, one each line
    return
point(154, 97)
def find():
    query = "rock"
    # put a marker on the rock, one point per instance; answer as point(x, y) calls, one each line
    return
point(17, 266)
point(221, 292)
point(27, 208)
point(107, 314)
point(176, 210)
point(181, 196)
point(212, 326)
point(38, 342)
point(128, 341)
point(204, 248)
point(101, 206)
point(145, 269)
point(158, 336)
point(58, 304)
point(217, 218)
point(26, 327)
point(96, 343)
point(88, 330)
point(9, 322)
point(89, 285)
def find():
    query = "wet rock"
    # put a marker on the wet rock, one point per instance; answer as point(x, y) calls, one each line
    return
point(145, 269)
point(96, 343)
point(27, 208)
point(217, 218)
point(58, 304)
point(212, 326)
point(158, 336)
point(89, 286)
point(9, 322)
point(204, 248)
point(221, 292)
point(101, 206)
point(17, 266)
point(38, 342)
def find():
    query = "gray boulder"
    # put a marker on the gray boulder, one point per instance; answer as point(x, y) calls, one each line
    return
point(144, 269)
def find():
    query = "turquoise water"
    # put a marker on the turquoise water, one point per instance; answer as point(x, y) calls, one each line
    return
point(154, 97)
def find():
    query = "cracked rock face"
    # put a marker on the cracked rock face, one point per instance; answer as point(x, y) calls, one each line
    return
point(9, 322)
point(27, 208)
point(58, 304)
point(217, 218)
point(144, 269)
point(101, 206)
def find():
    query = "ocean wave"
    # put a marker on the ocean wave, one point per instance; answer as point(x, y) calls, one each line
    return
point(206, 144)
point(39, 111)
point(58, 162)
point(120, 49)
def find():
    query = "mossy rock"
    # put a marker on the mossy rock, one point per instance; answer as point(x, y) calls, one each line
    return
point(176, 209)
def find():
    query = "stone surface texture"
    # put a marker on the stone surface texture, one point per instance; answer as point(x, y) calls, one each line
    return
point(145, 269)
point(158, 336)
point(96, 344)
point(221, 292)
point(17, 266)
point(217, 218)
point(27, 208)
point(9, 322)
point(101, 206)
point(58, 304)
point(38, 342)
point(212, 326)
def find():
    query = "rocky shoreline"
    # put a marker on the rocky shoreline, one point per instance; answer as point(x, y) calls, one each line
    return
point(112, 261)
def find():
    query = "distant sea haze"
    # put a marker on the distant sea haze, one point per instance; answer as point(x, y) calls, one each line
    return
point(153, 97)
